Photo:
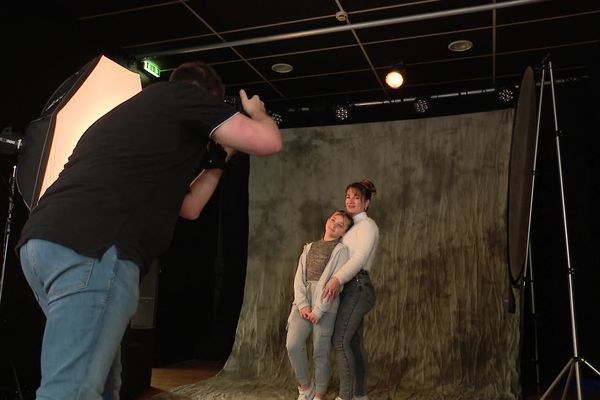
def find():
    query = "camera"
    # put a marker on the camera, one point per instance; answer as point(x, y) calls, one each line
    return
point(236, 102)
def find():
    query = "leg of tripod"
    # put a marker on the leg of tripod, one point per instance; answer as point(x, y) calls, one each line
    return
point(576, 359)
point(528, 279)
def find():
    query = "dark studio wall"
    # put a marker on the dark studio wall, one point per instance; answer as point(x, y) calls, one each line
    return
point(202, 275)
point(24, 92)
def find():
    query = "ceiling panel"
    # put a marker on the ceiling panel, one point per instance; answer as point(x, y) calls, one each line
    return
point(339, 84)
point(410, 51)
point(292, 45)
point(315, 63)
point(333, 60)
point(145, 25)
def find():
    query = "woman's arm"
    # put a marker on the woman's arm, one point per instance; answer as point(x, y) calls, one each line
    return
point(363, 246)
point(367, 234)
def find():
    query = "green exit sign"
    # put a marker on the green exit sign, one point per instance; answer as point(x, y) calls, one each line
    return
point(151, 68)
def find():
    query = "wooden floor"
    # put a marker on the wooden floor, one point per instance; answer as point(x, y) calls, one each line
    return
point(186, 372)
point(183, 373)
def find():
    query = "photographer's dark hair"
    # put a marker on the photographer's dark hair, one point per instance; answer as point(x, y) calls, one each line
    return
point(200, 74)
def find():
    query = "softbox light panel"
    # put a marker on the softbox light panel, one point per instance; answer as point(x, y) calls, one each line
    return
point(98, 87)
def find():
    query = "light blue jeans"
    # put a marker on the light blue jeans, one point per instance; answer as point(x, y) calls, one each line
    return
point(88, 303)
point(298, 331)
point(357, 298)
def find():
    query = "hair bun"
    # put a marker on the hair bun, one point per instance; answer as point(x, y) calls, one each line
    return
point(370, 186)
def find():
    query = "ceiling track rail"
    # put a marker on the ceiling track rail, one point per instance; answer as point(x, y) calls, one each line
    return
point(335, 29)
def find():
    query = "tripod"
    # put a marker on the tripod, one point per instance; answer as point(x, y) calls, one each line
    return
point(573, 365)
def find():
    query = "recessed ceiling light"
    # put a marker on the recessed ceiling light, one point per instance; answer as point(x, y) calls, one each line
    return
point(460, 45)
point(282, 68)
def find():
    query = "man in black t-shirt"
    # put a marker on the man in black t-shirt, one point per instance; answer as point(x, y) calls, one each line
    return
point(113, 209)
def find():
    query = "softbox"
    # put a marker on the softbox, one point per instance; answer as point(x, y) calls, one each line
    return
point(85, 96)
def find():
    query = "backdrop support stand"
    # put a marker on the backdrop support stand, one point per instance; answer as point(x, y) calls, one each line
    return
point(573, 365)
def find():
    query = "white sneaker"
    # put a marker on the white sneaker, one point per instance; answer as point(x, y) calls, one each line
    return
point(307, 394)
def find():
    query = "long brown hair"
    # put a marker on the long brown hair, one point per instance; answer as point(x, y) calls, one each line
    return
point(365, 187)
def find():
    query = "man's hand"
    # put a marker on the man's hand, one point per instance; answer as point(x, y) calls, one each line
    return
point(253, 106)
point(332, 289)
point(256, 135)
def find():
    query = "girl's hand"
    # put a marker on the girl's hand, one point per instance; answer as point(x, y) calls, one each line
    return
point(305, 312)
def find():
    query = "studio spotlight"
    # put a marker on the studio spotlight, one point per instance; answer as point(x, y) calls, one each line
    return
point(506, 95)
point(395, 77)
point(342, 112)
point(421, 105)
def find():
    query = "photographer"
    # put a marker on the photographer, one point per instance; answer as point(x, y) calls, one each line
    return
point(113, 210)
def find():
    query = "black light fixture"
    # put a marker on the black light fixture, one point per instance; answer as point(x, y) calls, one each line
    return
point(421, 105)
point(506, 94)
point(342, 112)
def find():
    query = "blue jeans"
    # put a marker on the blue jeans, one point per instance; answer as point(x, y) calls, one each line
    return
point(88, 303)
point(298, 331)
point(357, 298)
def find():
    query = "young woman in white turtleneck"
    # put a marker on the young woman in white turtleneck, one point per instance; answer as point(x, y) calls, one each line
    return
point(358, 296)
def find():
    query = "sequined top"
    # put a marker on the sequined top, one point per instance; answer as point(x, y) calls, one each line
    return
point(317, 258)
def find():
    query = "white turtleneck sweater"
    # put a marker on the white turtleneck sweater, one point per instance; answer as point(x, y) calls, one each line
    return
point(362, 241)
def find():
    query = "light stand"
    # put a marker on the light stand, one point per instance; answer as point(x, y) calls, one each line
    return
point(573, 365)
point(7, 230)
point(7, 226)
point(11, 145)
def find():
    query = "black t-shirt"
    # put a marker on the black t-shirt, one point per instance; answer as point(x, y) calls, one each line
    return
point(126, 179)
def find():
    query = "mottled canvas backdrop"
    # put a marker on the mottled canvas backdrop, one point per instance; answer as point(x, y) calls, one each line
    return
point(439, 329)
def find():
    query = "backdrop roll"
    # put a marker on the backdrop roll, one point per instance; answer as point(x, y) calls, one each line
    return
point(438, 329)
